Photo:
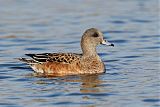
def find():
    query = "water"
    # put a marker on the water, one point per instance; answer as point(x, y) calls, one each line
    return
point(37, 26)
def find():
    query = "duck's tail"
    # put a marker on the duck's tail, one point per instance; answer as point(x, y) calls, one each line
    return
point(28, 61)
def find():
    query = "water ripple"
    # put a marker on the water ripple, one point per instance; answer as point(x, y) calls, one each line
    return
point(118, 22)
point(118, 31)
point(141, 21)
point(5, 77)
point(133, 56)
point(71, 103)
point(90, 94)
point(151, 100)
point(35, 49)
point(120, 41)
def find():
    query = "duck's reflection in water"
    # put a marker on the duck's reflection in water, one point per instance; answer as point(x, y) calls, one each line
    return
point(89, 84)
point(85, 83)
point(87, 88)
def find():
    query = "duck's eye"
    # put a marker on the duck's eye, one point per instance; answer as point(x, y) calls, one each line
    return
point(95, 35)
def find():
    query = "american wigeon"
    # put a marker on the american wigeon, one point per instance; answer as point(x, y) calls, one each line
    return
point(59, 64)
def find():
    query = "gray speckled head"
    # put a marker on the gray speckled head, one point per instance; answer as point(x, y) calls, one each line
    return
point(90, 39)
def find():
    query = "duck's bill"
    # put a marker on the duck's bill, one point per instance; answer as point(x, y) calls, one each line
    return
point(104, 42)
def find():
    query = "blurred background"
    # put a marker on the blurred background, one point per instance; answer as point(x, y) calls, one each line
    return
point(37, 26)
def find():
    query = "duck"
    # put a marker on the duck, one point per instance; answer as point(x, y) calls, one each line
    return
point(62, 64)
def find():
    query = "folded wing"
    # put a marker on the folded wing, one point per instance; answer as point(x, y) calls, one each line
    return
point(66, 58)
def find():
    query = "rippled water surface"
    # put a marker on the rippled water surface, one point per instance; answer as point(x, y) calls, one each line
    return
point(37, 26)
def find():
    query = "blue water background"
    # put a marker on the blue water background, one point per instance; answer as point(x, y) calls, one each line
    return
point(132, 78)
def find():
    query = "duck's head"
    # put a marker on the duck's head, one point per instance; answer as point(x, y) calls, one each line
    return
point(94, 37)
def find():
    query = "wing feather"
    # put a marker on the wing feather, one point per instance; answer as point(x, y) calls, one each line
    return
point(56, 57)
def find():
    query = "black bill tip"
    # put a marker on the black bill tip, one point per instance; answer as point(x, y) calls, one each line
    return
point(112, 45)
